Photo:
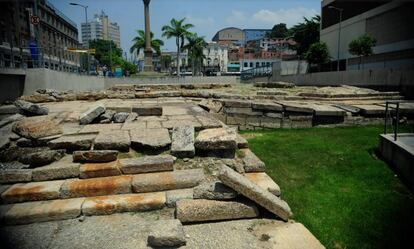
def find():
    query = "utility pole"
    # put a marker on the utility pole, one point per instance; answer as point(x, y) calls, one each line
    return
point(339, 32)
point(86, 22)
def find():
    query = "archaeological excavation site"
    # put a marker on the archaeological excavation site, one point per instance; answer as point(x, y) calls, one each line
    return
point(139, 166)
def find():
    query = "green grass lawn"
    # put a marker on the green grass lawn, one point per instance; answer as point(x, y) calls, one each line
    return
point(337, 187)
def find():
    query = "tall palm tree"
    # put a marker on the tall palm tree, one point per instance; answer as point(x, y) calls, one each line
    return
point(195, 47)
point(139, 43)
point(179, 30)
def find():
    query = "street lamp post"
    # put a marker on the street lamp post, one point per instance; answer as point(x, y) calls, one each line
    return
point(339, 31)
point(86, 22)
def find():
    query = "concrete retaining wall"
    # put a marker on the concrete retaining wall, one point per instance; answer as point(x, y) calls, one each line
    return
point(45, 78)
point(172, 80)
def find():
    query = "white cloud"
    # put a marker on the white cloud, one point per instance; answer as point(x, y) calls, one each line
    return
point(205, 22)
point(236, 17)
point(288, 16)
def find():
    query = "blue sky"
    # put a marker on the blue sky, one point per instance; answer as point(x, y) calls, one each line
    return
point(208, 16)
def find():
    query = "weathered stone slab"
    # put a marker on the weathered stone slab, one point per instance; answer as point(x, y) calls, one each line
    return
point(62, 169)
point(241, 142)
point(105, 205)
point(90, 128)
point(251, 162)
point(31, 109)
point(214, 191)
point(8, 109)
point(296, 107)
point(15, 175)
point(264, 181)
point(150, 139)
point(135, 125)
point(242, 110)
point(10, 119)
point(41, 211)
point(37, 127)
point(207, 210)
point(183, 142)
point(216, 139)
point(113, 140)
point(168, 233)
point(73, 142)
point(147, 110)
point(348, 108)
point(95, 156)
point(94, 112)
point(41, 157)
point(179, 179)
point(327, 110)
point(5, 187)
point(170, 124)
point(370, 109)
point(298, 121)
point(209, 122)
point(92, 170)
point(177, 194)
point(247, 188)
point(96, 186)
point(236, 103)
point(267, 106)
point(120, 117)
point(268, 122)
point(32, 191)
point(146, 164)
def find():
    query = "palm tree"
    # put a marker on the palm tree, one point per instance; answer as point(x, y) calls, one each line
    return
point(139, 43)
point(195, 47)
point(179, 30)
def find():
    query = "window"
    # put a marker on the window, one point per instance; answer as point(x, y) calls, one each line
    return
point(246, 64)
point(251, 64)
point(257, 64)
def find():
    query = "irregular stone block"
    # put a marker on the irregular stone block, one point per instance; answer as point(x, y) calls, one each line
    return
point(251, 162)
point(91, 170)
point(95, 156)
point(183, 141)
point(120, 117)
point(8, 109)
point(73, 142)
point(41, 157)
point(33, 191)
point(150, 139)
point(62, 169)
point(177, 194)
point(31, 109)
point(243, 111)
point(216, 139)
point(96, 186)
point(95, 128)
point(241, 142)
point(264, 181)
point(268, 122)
point(135, 125)
point(146, 164)
point(30, 212)
point(105, 205)
point(153, 182)
point(300, 121)
point(207, 210)
point(235, 120)
point(168, 233)
point(176, 123)
point(296, 107)
point(37, 127)
point(267, 106)
point(113, 140)
point(88, 116)
point(147, 110)
point(10, 119)
point(214, 191)
point(255, 193)
point(209, 122)
point(15, 175)
point(237, 103)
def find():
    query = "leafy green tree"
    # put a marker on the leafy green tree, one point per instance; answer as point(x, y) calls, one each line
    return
point(306, 33)
point(362, 46)
point(318, 54)
point(278, 31)
point(195, 47)
point(179, 30)
point(139, 43)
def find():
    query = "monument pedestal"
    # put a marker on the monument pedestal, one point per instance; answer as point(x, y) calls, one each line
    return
point(148, 61)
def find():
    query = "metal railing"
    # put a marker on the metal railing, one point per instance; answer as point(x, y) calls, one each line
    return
point(265, 71)
point(394, 119)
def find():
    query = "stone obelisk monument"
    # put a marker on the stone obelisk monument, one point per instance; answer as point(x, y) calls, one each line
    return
point(148, 50)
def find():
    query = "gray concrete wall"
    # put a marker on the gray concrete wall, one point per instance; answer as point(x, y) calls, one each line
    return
point(44, 78)
point(11, 84)
point(382, 79)
point(172, 80)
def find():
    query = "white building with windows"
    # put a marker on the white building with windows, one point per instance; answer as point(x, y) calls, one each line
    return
point(100, 27)
point(216, 56)
point(246, 64)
